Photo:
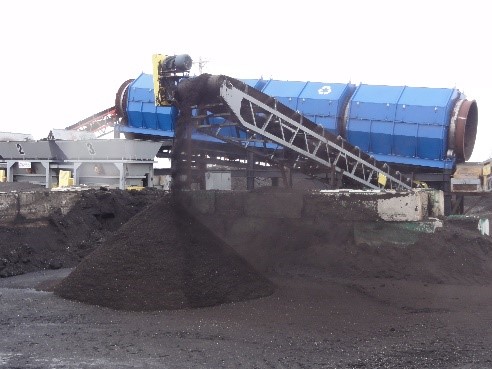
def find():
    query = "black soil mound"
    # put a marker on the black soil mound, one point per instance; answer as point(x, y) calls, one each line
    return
point(453, 255)
point(163, 259)
point(63, 240)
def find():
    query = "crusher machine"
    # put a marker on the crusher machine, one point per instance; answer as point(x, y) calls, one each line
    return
point(344, 135)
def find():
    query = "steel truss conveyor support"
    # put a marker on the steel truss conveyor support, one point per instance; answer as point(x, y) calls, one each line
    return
point(307, 139)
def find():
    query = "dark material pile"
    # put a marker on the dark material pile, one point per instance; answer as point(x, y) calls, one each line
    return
point(62, 240)
point(452, 254)
point(479, 205)
point(163, 259)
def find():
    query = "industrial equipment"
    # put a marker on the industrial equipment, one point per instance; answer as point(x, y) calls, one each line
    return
point(90, 162)
point(472, 177)
point(341, 134)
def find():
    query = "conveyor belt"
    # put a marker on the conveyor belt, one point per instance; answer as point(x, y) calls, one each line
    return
point(265, 123)
point(98, 123)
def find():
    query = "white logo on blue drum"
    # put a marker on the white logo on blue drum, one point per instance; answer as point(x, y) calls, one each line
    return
point(325, 90)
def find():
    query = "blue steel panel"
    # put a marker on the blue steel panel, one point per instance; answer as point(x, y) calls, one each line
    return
point(323, 99)
point(315, 100)
point(405, 139)
point(286, 92)
point(144, 115)
point(134, 112)
point(141, 109)
point(166, 116)
point(402, 122)
point(381, 137)
point(431, 142)
point(378, 93)
point(149, 116)
point(441, 164)
point(329, 123)
point(426, 105)
point(375, 102)
point(142, 89)
point(358, 134)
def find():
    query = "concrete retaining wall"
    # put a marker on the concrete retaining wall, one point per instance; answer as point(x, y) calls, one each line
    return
point(260, 225)
point(342, 205)
point(34, 205)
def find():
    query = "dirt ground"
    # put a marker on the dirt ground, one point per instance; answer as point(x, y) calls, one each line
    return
point(309, 322)
point(437, 316)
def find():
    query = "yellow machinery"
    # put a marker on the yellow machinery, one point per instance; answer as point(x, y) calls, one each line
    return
point(167, 71)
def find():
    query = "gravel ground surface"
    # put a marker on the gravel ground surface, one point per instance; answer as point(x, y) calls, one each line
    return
point(308, 322)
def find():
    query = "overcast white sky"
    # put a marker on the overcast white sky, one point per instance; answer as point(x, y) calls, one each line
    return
point(62, 61)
